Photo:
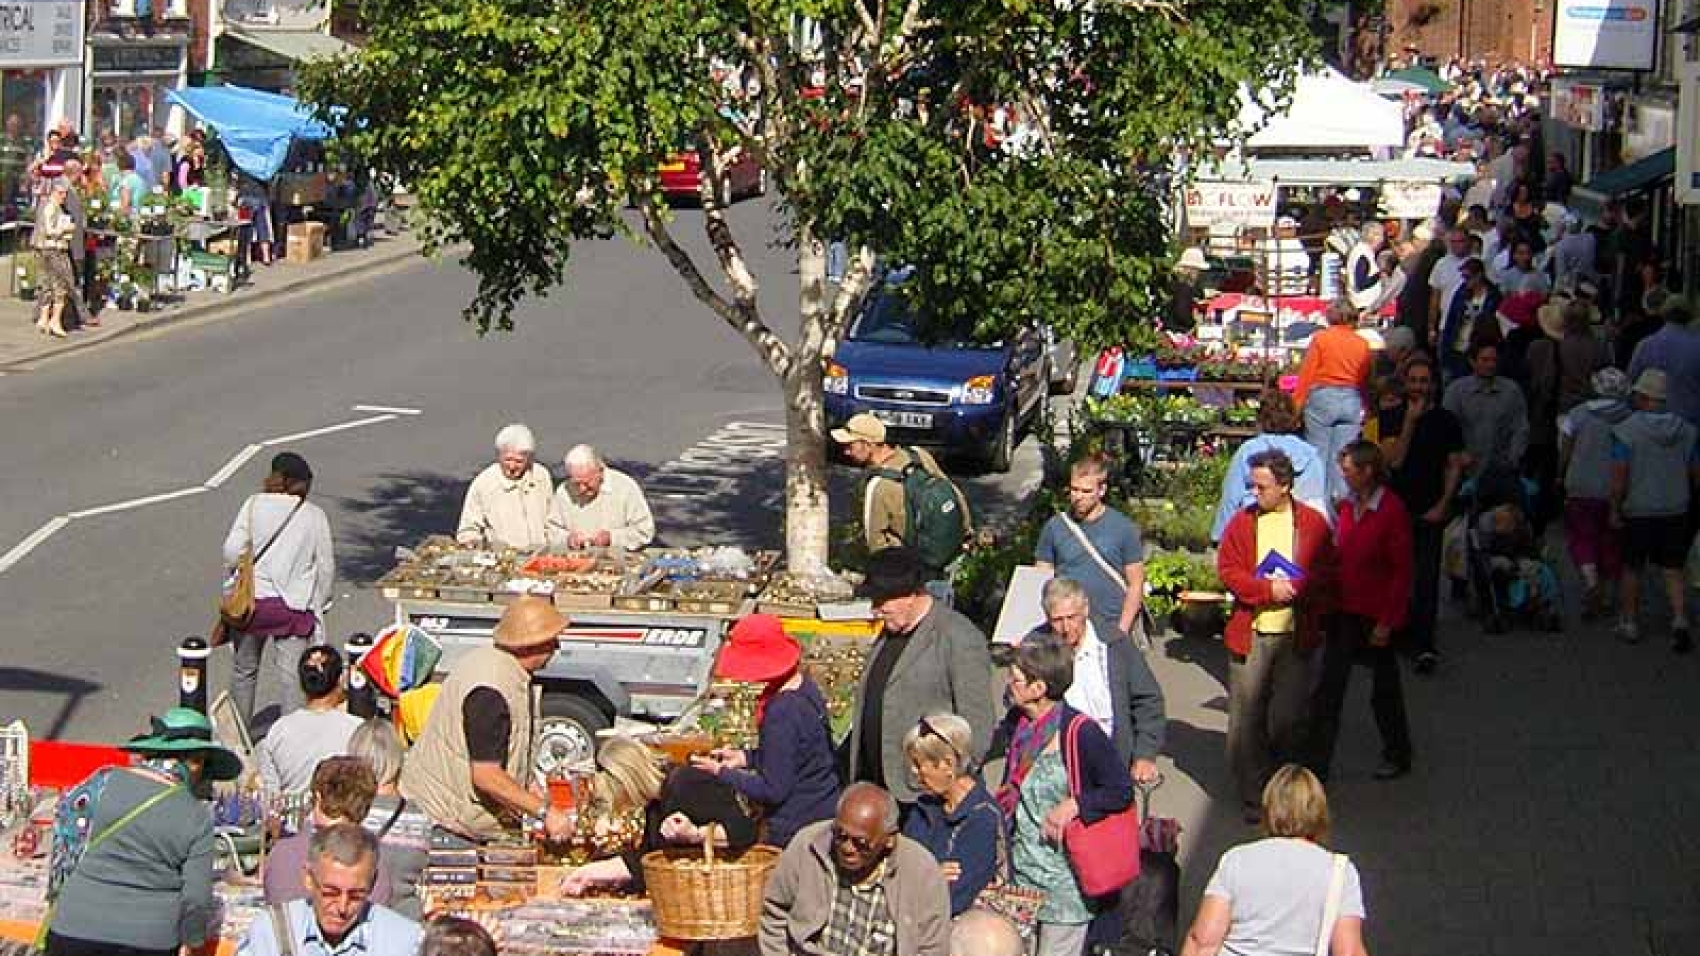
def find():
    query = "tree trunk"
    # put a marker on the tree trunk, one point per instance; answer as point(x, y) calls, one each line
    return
point(807, 515)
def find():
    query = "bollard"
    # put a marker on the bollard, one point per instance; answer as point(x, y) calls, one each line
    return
point(192, 657)
point(362, 696)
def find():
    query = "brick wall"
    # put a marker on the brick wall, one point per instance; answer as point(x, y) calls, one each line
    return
point(1477, 29)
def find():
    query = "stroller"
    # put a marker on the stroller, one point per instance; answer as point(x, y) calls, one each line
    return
point(1504, 571)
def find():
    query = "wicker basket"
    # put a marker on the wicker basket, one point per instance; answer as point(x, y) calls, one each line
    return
point(699, 897)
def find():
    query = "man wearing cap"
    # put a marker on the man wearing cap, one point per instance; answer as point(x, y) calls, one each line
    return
point(885, 517)
point(1675, 351)
point(507, 505)
point(1654, 469)
point(470, 768)
point(289, 539)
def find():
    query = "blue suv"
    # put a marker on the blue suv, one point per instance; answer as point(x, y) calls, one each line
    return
point(955, 395)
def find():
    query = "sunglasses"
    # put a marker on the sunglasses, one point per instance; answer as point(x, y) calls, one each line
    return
point(859, 844)
point(928, 730)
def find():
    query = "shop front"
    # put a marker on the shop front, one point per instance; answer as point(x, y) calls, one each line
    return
point(41, 55)
point(129, 81)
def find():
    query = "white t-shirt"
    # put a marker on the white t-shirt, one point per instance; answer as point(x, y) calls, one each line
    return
point(1445, 277)
point(1090, 691)
point(1276, 889)
point(297, 742)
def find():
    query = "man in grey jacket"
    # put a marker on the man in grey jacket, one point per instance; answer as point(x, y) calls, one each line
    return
point(928, 659)
point(1112, 683)
point(1654, 469)
point(854, 884)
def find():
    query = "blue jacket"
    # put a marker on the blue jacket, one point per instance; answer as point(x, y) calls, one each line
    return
point(969, 836)
point(793, 773)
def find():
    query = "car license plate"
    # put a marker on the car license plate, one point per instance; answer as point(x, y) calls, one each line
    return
point(904, 419)
point(672, 167)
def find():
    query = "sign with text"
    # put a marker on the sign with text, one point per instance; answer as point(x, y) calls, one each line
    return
point(1582, 105)
point(41, 33)
point(1606, 34)
point(1410, 200)
point(1246, 204)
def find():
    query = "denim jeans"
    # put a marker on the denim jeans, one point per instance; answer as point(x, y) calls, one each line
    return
point(1334, 418)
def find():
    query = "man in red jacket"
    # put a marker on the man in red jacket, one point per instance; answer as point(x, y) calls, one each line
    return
point(1277, 559)
point(1373, 537)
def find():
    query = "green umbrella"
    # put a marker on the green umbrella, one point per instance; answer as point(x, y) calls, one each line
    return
point(1421, 76)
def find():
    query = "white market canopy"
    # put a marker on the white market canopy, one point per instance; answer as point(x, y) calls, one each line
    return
point(1328, 112)
point(1338, 172)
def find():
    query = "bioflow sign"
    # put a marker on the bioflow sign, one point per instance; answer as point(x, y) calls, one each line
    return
point(1245, 204)
point(1606, 34)
point(41, 33)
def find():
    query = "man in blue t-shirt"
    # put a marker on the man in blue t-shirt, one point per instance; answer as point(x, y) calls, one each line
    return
point(1112, 569)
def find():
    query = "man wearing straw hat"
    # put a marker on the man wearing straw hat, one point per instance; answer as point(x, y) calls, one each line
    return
point(468, 771)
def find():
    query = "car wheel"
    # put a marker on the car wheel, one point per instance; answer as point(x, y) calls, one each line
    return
point(567, 733)
point(1003, 449)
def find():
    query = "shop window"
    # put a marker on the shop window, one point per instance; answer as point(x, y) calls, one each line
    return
point(23, 104)
point(129, 110)
point(173, 9)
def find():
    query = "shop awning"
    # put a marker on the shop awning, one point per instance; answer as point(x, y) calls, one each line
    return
point(255, 127)
point(296, 45)
point(1589, 199)
point(1338, 172)
point(1421, 76)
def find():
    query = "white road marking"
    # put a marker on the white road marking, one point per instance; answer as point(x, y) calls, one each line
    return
point(387, 408)
point(328, 429)
point(30, 543)
point(233, 465)
point(139, 502)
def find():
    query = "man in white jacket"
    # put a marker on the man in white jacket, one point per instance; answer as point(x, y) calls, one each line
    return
point(294, 569)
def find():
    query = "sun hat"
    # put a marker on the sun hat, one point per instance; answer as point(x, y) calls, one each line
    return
point(530, 623)
point(1652, 384)
point(861, 427)
point(758, 651)
point(182, 732)
point(1551, 316)
point(1610, 382)
point(1192, 257)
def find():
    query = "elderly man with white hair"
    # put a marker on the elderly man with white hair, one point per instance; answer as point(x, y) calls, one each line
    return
point(507, 505)
point(598, 506)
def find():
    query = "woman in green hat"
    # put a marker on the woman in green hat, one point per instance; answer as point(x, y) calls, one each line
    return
point(131, 871)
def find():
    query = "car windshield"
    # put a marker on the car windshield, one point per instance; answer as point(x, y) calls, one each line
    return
point(889, 319)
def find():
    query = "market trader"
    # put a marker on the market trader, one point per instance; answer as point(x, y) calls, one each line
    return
point(507, 505)
point(598, 506)
point(468, 772)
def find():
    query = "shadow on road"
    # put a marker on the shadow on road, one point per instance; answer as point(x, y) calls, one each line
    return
point(73, 690)
point(399, 508)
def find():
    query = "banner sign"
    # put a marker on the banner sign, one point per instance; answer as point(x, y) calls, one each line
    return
point(1246, 204)
point(1410, 200)
point(1606, 34)
point(41, 33)
point(1582, 105)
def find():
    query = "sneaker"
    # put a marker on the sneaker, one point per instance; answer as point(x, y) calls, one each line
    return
point(1427, 661)
point(1627, 632)
point(1680, 641)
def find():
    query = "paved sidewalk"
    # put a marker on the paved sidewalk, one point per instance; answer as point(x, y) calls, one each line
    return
point(1551, 811)
point(21, 344)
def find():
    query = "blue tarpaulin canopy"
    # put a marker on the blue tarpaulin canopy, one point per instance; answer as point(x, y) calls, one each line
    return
point(255, 127)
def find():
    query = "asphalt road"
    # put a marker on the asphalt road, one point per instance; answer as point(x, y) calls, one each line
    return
point(623, 358)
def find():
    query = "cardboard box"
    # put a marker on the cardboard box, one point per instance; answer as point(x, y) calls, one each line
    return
point(306, 242)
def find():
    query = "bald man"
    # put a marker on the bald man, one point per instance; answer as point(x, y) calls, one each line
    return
point(981, 932)
point(846, 884)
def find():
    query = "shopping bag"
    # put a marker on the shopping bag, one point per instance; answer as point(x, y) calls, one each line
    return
point(1151, 904)
point(1454, 548)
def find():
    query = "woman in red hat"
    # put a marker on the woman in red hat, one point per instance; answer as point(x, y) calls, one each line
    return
point(792, 773)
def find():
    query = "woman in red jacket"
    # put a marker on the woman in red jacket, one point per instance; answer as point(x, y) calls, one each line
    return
point(1277, 559)
point(1373, 536)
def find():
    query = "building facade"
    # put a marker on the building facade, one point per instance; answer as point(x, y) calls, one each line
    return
point(1490, 30)
point(138, 50)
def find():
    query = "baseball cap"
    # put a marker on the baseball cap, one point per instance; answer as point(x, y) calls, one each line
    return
point(861, 427)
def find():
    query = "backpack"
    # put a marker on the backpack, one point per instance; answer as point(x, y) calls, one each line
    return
point(936, 519)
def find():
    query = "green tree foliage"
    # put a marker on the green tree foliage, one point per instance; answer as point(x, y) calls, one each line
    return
point(524, 125)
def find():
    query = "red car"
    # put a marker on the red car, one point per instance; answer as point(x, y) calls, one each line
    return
point(681, 177)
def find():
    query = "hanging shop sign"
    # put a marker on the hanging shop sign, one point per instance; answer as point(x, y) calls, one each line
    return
point(1605, 34)
point(133, 58)
point(1245, 204)
point(41, 33)
point(1410, 200)
point(1582, 105)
